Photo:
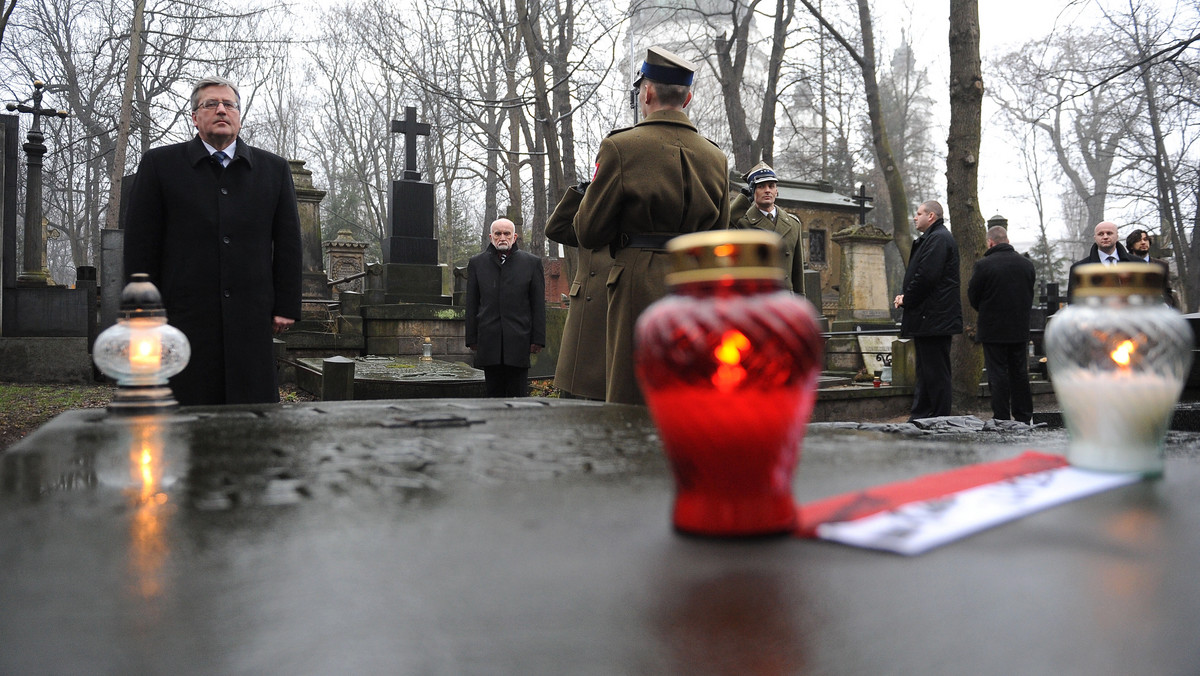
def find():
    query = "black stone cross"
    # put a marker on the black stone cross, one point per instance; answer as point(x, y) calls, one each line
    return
point(411, 130)
point(34, 271)
point(862, 200)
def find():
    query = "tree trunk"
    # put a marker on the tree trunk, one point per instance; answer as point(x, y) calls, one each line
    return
point(122, 135)
point(962, 186)
point(901, 230)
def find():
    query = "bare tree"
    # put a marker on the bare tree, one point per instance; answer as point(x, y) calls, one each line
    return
point(6, 10)
point(1045, 84)
point(865, 58)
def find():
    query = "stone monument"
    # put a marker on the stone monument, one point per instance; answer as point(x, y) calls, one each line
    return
point(34, 271)
point(345, 258)
point(863, 300)
point(410, 272)
point(313, 283)
point(44, 329)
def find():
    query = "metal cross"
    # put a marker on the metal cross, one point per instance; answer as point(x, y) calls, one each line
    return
point(34, 260)
point(411, 130)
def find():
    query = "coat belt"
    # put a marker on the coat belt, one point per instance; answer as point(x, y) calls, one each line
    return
point(640, 241)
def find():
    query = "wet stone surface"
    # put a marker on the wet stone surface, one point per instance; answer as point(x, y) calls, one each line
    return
point(477, 536)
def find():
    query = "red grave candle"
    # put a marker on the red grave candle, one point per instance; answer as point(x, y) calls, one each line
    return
point(728, 364)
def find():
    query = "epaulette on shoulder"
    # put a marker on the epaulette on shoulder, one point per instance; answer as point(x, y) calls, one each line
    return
point(618, 131)
point(712, 142)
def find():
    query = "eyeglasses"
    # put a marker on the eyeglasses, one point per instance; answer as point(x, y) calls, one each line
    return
point(212, 105)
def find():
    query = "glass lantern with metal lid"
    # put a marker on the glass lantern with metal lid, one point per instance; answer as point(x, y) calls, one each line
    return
point(728, 362)
point(141, 351)
point(1118, 358)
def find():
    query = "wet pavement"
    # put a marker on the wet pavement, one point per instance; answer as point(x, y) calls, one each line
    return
point(532, 537)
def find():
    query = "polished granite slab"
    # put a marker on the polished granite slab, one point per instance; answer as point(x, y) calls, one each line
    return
point(532, 537)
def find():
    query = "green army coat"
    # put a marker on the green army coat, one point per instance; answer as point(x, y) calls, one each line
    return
point(787, 227)
point(581, 367)
point(659, 177)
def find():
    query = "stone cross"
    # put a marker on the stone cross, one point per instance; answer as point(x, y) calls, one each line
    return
point(411, 130)
point(34, 272)
point(862, 200)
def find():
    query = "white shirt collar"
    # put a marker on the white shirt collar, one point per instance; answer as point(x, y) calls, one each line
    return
point(231, 150)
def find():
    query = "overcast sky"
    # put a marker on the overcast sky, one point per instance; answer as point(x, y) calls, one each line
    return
point(1004, 25)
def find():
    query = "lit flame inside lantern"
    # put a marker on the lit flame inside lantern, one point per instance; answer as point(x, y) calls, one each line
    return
point(145, 351)
point(1122, 354)
point(728, 354)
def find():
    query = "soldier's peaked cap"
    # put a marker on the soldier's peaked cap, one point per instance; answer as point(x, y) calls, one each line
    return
point(666, 67)
point(760, 173)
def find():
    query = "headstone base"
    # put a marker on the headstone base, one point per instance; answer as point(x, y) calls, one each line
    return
point(405, 283)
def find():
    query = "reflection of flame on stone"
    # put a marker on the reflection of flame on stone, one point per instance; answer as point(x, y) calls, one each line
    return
point(148, 546)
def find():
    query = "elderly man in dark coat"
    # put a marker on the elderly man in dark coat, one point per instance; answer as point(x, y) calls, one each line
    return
point(580, 371)
point(214, 223)
point(506, 311)
point(932, 310)
point(653, 181)
point(1001, 289)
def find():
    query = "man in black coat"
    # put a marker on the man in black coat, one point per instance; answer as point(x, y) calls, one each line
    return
point(506, 311)
point(932, 310)
point(1107, 249)
point(214, 223)
point(1138, 244)
point(1001, 289)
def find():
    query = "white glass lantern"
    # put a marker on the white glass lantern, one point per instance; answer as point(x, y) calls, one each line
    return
point(1118, 358)
point(141, 351)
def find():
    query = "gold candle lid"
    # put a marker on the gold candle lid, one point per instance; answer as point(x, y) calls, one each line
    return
point(725, 254)
point(1120, 279)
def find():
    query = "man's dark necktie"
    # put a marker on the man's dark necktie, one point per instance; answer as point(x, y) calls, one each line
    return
point(220, 157)
point(503, 257)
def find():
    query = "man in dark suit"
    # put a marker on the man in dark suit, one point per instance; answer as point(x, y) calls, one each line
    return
point(214, 223)
point(506, 311)
point(1138, 244)
point(932, 310)
point(1001, 289)
point(1107, 249)
point(653, 181)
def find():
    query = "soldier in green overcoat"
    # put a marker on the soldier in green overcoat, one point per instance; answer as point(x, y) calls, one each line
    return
point(581, 369)
point(653, 181)
point(764, 214)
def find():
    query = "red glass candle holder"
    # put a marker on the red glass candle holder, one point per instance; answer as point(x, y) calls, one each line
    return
point(728, 364)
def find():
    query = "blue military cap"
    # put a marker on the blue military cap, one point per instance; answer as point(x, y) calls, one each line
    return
point(760, 173)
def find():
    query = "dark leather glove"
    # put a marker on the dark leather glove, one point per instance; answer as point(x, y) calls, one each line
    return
point(582, 187)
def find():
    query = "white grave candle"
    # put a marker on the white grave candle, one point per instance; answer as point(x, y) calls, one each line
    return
point(1117, 419)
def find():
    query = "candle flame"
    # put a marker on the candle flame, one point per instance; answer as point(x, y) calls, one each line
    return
point(1121, 355)
point(728, 354)
point(145, 352)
